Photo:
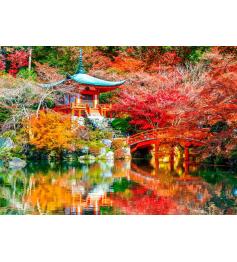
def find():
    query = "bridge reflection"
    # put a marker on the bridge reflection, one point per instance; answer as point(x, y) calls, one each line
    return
point(156, 180)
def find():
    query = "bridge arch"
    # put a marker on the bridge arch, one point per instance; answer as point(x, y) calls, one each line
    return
point(169, 136)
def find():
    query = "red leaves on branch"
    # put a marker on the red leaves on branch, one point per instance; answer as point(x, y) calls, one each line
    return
point(121, 63)
point(188, 98)
point(97, 60)
point(127, 64)
point(152, 100)
point(17, 60)
point(2, 65)
point(218, 94)
point(148, 109)
point(170, 58)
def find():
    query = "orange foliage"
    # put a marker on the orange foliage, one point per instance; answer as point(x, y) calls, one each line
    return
point(50, 131)
point(123, 63)
point(127, 64)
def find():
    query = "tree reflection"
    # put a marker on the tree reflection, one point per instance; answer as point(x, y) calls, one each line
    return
point(118, 188)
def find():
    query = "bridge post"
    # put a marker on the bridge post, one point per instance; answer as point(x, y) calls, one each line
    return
point(186, 153)
point(172, 158)
point(157, 158)
point(186, 159)
point(157, 164)
point(157, 150)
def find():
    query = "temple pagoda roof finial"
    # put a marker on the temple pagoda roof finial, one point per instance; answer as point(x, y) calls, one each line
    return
point(80, 69)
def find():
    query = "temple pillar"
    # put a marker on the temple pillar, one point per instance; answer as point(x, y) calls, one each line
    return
point(95, 102)
point(78, 99)
point(96, 208)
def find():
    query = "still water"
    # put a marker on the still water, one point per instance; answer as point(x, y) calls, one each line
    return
point(120, 187)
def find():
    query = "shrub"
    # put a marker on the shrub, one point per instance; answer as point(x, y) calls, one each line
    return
point(119, 143)
point(27, 74)
point(5, 114)
point(122, 124)
point(95, 135)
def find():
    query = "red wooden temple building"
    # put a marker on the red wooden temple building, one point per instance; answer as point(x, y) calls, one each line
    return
point(84, 100)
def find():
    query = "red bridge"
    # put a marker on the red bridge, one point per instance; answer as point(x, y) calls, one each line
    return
point(169, 136)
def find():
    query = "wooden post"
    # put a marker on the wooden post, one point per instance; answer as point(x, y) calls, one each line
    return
point(96, 208)
point(186, 159)
point(186, 154)
point(172, 158)
point(77, 101)
point(157, 166)
point(95, 97)
point(79, 98)
point(156, 150)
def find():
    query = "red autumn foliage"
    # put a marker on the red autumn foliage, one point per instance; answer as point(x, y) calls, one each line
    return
point(170, 58)
point(150, 110)
point(97, 60)
point(2, 65)
point(120, 63)
point(217, 101)
point(127, 64)
point(152, 61)
point(189, 99)
point(153, 100)
point(17, 60)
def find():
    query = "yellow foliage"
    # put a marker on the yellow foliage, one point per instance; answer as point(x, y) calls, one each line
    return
point(119, 143)
point(50, 131)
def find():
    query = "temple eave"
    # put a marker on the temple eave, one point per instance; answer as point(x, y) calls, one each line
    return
point(93, 81)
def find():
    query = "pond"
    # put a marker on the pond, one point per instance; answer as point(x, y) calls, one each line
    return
point(118, 188)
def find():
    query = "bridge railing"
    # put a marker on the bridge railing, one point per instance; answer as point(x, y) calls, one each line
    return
point(168, 134)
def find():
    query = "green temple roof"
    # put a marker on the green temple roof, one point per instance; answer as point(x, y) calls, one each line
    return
point(90, 80)
point(82, 78)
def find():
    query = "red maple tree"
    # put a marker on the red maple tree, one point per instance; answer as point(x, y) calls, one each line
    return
point(17, 59)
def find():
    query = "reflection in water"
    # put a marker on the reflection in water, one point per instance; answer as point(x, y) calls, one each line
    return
point(121, 187)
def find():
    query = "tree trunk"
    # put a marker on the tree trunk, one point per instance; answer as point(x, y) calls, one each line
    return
point(30, 59)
